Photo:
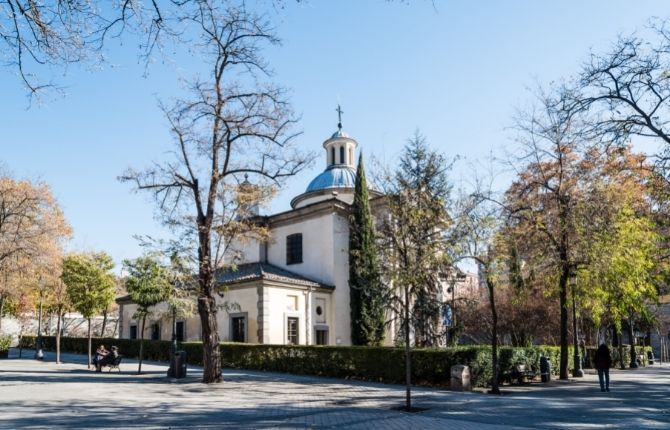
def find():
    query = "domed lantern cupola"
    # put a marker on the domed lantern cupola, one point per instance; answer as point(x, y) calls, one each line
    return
point(339, 178)
point(340, 148)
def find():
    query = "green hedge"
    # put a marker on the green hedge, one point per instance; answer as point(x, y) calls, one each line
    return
point(382, 364)
point(616, 359)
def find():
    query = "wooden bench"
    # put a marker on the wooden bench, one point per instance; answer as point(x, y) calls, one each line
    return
point(114, 364)
point(522, 373)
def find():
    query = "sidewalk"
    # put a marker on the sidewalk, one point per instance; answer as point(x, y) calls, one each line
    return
point(36, 394)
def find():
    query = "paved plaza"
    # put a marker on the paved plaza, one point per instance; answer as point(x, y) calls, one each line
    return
point(37, 394)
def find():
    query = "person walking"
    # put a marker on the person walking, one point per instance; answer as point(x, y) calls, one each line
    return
point(603, 362)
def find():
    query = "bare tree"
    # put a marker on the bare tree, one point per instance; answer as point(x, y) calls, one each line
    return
point(478, 222)
point(37, 35)
point(629, 88)
point(41, 36)
point(232, 126)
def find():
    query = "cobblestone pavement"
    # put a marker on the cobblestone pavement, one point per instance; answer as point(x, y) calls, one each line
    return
point(36, 394)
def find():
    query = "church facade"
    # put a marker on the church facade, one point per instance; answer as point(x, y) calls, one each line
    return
point(292, 289)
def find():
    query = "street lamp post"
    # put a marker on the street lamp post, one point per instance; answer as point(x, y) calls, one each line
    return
point(577, 372)
point(633, 358)
point(172, 371)
point(447, 322)
point(453, 279)
point(39, 354)
point(452, 314)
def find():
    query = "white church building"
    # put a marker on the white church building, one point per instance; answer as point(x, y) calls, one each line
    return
point(294, 288)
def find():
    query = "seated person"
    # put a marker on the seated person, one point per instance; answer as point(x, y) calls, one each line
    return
point(107, 359)
point(100, 353)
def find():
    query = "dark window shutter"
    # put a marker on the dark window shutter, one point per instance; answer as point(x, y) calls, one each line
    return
point(294, 248)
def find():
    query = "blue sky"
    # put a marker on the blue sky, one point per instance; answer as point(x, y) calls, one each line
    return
point(454, 70)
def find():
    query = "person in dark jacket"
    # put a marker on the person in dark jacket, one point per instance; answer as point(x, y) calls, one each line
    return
point(107, 359)
point(100, 353)
point(603, 362)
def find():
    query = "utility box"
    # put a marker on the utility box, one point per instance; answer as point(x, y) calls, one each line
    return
point(460, 378)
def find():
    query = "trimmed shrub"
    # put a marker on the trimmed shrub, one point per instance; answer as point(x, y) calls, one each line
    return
point(431, 367)
point(5, 343)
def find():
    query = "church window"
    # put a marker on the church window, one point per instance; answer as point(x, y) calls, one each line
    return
point(332, 155)
point(292, 331)
point(155, 331)
point(238, 328)
point(341, 154)
point(294, 248)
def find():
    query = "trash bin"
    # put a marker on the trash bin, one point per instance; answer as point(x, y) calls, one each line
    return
point(178, 365)
point(545, 369)
point(460, 378)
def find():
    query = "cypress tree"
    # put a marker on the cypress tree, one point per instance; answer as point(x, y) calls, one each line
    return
point(365, 286)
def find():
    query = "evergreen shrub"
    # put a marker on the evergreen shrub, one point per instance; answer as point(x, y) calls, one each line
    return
point(5, 343)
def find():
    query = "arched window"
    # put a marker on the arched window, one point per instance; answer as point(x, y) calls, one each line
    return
point(342, 154)
point(332, 155)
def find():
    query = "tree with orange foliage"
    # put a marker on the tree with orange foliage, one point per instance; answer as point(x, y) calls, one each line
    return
point(32, 232)
point(570, 187)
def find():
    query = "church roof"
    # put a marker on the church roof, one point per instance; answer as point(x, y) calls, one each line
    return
point(260, 271)
point(336, 176)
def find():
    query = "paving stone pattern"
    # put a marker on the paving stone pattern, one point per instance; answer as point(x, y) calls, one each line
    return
point(41, 394)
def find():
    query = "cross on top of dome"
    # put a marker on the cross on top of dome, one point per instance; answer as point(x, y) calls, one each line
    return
point(339, 116)
point(339, 132)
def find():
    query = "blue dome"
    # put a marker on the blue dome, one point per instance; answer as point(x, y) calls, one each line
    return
point(334, 177)
point(339, 133)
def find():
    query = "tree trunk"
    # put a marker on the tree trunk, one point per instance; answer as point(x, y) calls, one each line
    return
point(116, 327)
point(631, 337)
point(104, 323)
point(144, 320)
point(210, 340)
point(563, 300)
point(211, 351)
point(89, 343)
point(58, 323)
point(408, 357)
point(620, 341)
point(495, 389)
point(21, 343)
